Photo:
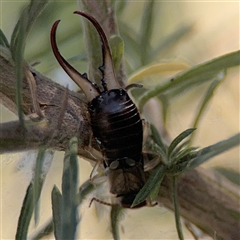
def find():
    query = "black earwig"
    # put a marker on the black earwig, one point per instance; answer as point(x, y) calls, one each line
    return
point(115, 122)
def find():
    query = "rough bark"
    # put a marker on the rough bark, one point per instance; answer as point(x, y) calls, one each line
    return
point(207, 200)
point(50, 96)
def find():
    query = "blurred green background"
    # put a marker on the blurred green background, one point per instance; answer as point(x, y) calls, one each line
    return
point(214, 32)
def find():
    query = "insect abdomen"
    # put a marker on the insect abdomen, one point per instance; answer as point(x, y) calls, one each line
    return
point(117, 125)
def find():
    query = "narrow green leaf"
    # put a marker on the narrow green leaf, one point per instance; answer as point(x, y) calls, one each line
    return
point(25, 215)
point(165, 106)
point(184, 153)
point(176, 210)
point(44, 231)
point(33, 194)
point(43, 163)
point(213, 150)
point(152, 181)
point(178, 139)
point(154, 193)
point(197, 74)
point(3, 40)
point(28, 16)
point(162, 154)
point(145, 73)
point(57, 212)
point(85, 189)
point(5, 53)
point(157, 138)
point(172, 39)
point(17, 47)
point(146, 31)
point(120, 6)
point(207, 153)
point(117, 48)
point(69, 191)
point(18, 59)
point(207, 97)
point(15, 36)
point(231, 174)
point(132, 49)
point(116, 211)
point(179, 148)
point(92, 41)
point(38, 182)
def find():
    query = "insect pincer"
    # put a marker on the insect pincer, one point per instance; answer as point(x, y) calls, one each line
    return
point(107, 68)
point(89, 89)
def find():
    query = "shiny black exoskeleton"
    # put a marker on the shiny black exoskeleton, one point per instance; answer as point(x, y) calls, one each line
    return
point(115, 122)
point(116, 125)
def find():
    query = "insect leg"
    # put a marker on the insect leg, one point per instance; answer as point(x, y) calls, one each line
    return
point(99, 201)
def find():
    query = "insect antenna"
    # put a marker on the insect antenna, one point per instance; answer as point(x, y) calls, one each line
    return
point(109, 80)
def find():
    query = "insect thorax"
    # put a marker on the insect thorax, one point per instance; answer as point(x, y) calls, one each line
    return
point(116, 125)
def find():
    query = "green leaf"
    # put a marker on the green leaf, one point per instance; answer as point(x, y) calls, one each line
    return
point(116, 211)
point(207, 153)
point(85, 189)
point(25, 22)
point(44, 157)
point(5, 53)
point(231, 174)
point(57, 212)
point(38, 182)
point(157, 138)
point(146, 31)
point(3, 40)
point(120, 6)
point(69, 191)
point(153, 181)
point(154, 193)
point(32, 195)
point(44, 231)
point(176, 210)
point(92, 41)
point(179, 148)
point(165, 107)
point(178, 139)
point(144, 74)
point(132, 49)
point(207, 97)
point(17, 55)
point(117, 48)
point(172, 39)
point(184, 153)
point(195, 75)
point(26, 214)
point(17, 47)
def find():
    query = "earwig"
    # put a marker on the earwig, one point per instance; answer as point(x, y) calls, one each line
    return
point(115, 122)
